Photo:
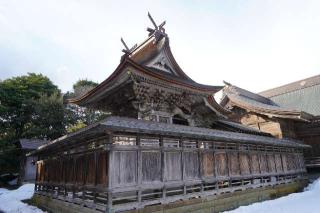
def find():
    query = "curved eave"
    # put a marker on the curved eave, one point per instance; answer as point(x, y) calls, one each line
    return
point(217, 108)
point(296, 115)
point(100, 86)
point(153, 47)
point(168, 51)
point(190, 85)
point(126, 61)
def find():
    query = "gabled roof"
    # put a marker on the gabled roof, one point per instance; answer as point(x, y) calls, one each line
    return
point(155, 53)
point(297, 85)
point(31, 144)
point(152, 58)
point(256, 103)
point(301, 95)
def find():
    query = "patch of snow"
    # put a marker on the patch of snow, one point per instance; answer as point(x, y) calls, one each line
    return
point(13, 182)
point(306, 201)
point(10, 200)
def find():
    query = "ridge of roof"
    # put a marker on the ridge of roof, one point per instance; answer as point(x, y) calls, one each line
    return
point(291, 87)
point(259, 104)
point(157, 43)
point(254, 96)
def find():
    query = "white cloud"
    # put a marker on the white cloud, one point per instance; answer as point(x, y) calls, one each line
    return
point(253, 44)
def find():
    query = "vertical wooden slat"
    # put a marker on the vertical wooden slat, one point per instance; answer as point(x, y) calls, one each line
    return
point(96, 155)
point(200, 164)
point(110, 169)
point(139, 167)
point(182, 165)
point(162, 167)
point(37, 175)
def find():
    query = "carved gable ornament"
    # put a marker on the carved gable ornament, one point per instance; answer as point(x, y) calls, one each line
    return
point(161, 62)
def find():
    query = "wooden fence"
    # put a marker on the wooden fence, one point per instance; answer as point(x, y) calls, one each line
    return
point(122, 171)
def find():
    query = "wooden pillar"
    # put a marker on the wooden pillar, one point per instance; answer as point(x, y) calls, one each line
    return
point(96, 155)
point(83, 187)
point(110, 170)
point(200, 153)
point(215, 165)
point(73, 176)
point(249, 154)
point(238, 158)
point(227, 163)
point(65, 174)
point(182, 165)
point(139, 167)
point(37, 174)
point(163, 178)
point(259, 162)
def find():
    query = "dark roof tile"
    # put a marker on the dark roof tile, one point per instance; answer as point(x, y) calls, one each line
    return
point(31, 144)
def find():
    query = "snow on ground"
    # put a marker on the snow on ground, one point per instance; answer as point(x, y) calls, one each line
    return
point(10, 200)
point(307, 201)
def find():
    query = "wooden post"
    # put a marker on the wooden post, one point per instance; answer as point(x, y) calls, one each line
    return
point(250, 164)
point(200, 169)
point(227, 161)
point(65, 174)
point(73, 177)
point(83, 187)
point(37, 174)
point(238, 158)
point(215, 165)
point(163, 180)
point(95, 176)
point(139, 167)
point(182, 165)
point(110, 170)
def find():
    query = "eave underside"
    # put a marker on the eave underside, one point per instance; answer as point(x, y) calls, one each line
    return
point(129, 69)
point(294, 115)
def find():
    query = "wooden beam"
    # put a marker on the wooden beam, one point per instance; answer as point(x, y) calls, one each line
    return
point(110, 170)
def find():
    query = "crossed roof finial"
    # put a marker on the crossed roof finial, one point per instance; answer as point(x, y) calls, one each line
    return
point(127, 50)
point(157, 28)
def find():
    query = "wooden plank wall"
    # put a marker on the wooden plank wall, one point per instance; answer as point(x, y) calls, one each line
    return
point(146, 169)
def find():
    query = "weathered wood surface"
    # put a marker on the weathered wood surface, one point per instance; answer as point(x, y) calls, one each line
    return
point(148, 170)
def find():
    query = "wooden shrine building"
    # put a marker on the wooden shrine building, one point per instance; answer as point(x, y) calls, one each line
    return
point(27, 173)
point(302, 95)
point(278, 118)
point(168, 145)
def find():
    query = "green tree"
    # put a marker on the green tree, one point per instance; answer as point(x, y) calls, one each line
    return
point(49, 119)
point(83, 116)
point(31, 106)
point(83, 86)
point(18, 100)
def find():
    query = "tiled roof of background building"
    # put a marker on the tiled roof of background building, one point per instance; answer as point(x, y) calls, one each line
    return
point(301, 95)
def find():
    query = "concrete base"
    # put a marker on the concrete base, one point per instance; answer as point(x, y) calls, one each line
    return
point(208, 204)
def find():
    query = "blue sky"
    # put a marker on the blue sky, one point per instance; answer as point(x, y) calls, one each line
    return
point(250, 43)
